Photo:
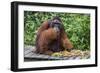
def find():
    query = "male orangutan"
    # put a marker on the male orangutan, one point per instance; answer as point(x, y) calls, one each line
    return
point(51, 37)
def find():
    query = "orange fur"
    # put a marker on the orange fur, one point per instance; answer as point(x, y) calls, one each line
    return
point(46, 34)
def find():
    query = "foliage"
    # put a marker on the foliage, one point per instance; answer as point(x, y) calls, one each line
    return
point(77, 27)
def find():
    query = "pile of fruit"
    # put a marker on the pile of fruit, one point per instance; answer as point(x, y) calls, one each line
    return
point(75, 53)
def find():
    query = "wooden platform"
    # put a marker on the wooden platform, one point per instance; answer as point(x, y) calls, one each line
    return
point(30, 55)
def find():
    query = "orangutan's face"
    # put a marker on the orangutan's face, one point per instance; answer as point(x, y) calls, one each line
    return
point(56, 24)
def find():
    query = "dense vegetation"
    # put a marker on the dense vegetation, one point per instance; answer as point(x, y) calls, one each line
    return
point(77, 27)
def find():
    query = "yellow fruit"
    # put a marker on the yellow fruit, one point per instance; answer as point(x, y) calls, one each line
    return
point(66, 53)
point(58, 54)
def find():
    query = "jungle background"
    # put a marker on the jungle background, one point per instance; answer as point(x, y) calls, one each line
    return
point(76, 25)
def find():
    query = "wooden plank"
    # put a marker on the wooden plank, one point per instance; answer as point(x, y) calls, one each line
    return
point(40, 56)
point(28, 55)
point(32, 48)
point(29, 52)
point(29, 49)
point(78, 57)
